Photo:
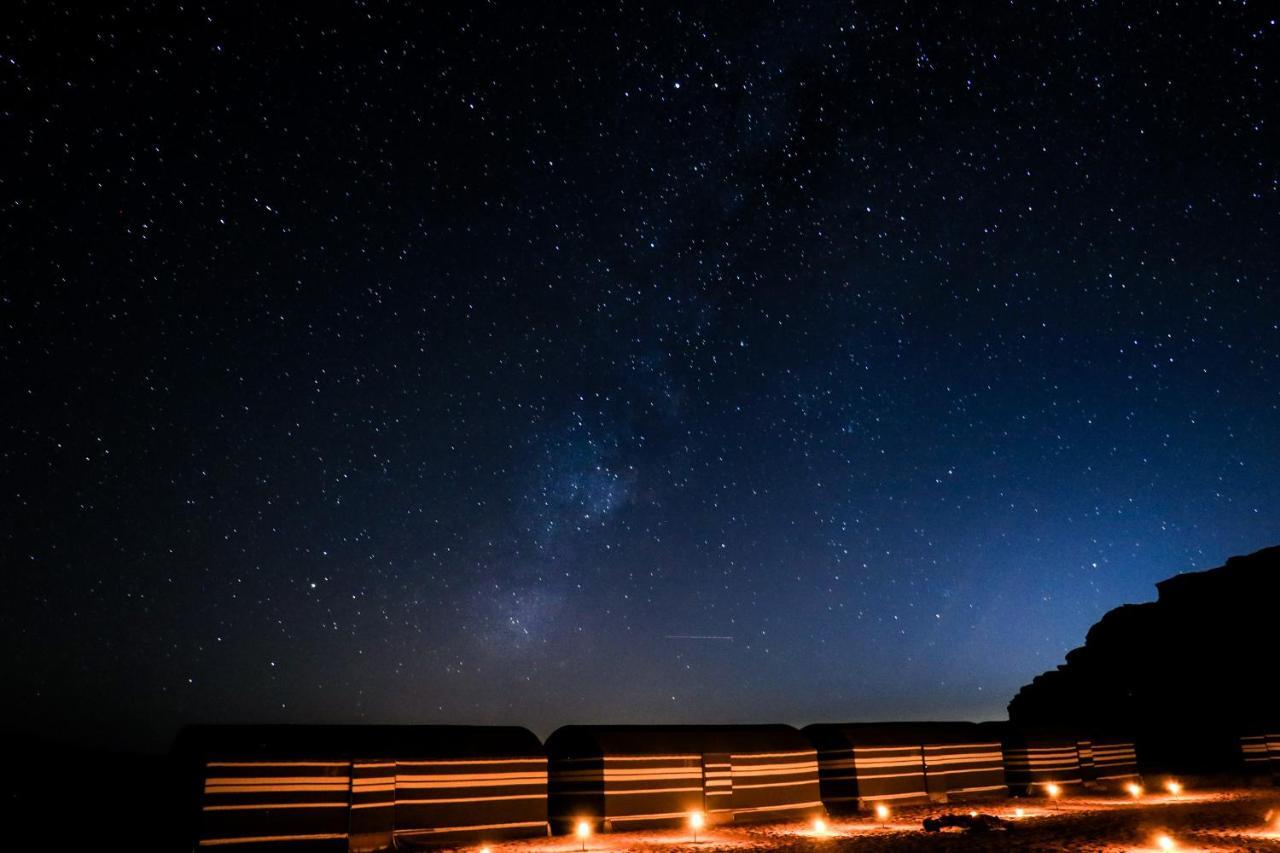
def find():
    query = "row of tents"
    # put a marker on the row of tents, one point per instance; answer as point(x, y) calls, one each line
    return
point(379, 788)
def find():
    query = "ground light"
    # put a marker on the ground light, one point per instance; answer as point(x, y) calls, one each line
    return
point(696, 822)
point(819, 826)
point(1164, 842)
point(1174, 788)
point(486, 850)
point(1053, 790)
point(584, 832)
point(1018, 812)
point(882, 813)
point(1134, 789)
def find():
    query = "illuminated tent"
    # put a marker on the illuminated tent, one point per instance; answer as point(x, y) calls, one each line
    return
point(361, 788)
point(1034, 757)
point(861, 764)
point(1273, 750)
point(619, 777)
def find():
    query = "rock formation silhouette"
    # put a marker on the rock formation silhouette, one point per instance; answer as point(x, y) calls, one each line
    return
point(1185, 675)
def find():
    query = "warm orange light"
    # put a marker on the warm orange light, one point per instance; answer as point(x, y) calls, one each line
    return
point(1018, 812)
point(584, 829)
point(1173, 787)
point(1052, 790)
point(819, 826)
point(486, 850)
point(696, 820)
point(1164, 842)
point(1134, 789)
point(973, 814)
point(882, 811)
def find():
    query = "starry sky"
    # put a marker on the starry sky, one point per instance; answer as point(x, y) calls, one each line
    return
point(547, 363)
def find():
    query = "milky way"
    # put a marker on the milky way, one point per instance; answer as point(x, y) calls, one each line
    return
point(469, 365)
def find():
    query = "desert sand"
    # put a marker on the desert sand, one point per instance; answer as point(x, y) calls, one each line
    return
point(1217, 820)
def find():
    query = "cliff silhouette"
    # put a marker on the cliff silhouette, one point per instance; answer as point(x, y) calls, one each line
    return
point(1185, 675)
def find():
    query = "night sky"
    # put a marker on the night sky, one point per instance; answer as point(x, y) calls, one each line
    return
point(518, 363)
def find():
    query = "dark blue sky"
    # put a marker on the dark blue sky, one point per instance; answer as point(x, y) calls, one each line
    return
point(457, 366)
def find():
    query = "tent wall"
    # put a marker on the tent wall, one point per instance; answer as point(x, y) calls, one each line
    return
point(304, 788)
point(1035, 759)
point(457, 799)
point(1115, 760)
point(620, 791)
point(255, 805)
point(889, 774)
point(862, 764)
point(1088, 769)
point(373, 800)
point(774, 784)
point(962, 769)
point(1273, 751)
point(717, 785)
point(619, 777)
point(1254, 751)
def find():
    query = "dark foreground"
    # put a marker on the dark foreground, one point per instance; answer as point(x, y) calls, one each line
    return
point(1199, 820)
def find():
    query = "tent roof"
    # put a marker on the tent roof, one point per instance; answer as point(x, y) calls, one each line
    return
point(346, 742)
point(570, 741)
point(838, 735)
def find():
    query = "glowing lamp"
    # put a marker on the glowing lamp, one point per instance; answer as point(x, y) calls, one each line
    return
point(1173, 787)
point(973, 814)
point(696, 822)
point(1052, 789)
point(1164, 842)
point(1018, 812)
point(584, 832)
point(819, 826)
point(882, 812)
point(486, 850)
point(1134, 789)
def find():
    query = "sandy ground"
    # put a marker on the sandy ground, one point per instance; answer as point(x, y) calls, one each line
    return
point(1197, 820)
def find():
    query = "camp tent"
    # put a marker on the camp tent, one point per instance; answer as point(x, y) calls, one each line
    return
point(626, 776)
point(1035, 757)
point(361, 788)
point(862, 764)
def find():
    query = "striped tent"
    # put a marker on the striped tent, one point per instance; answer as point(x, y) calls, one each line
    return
point(1036, 757)
point(863, 764)
point(961, 761)
point(358, 788)
point(1273, 750)
point(1115, 760)
point(623, 776)
point(1088, 770)
point(1254, 750)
